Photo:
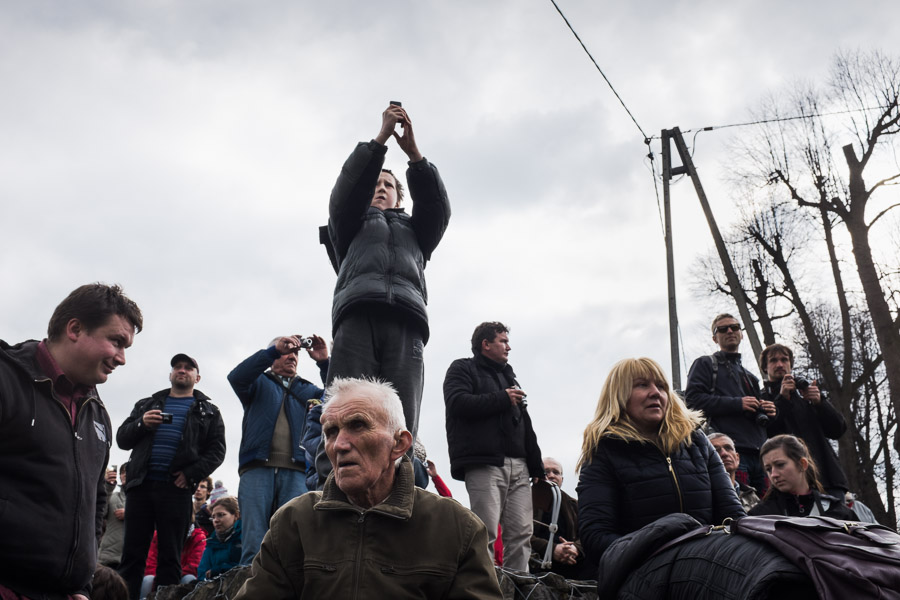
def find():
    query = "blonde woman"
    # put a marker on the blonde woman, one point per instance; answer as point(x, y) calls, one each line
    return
point(643, 457)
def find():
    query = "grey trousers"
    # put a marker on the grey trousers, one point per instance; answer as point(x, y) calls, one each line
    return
point(502, 495)
point(382, 346)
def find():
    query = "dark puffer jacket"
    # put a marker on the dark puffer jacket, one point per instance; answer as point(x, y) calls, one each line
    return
point(380, 256)
point(629, 484)
point(52, 488)
point(202, 446)
point(480, 422)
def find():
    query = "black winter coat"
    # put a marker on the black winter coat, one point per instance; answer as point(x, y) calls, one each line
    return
point(781, 503)
point(52, 488)
point(202, 446)
point(630, 484)
point(722, 403)
point(814, 424)
point(480, 419)
point(380, 256)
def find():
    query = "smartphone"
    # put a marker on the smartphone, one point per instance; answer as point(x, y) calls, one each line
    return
point(166, 417)
point(396, 103)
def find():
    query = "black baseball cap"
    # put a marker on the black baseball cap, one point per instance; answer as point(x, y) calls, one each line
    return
point(186, 358)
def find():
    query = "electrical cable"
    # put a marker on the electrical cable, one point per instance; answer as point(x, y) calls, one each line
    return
point(778, 120)
point(622, 102)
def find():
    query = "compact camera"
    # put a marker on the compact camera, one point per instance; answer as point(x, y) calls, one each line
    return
point(166, 417)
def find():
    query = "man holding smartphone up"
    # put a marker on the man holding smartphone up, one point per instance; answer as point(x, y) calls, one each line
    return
point(379, 252)
point(177, 439)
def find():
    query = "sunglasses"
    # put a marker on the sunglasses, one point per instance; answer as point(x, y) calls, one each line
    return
point(725, 328)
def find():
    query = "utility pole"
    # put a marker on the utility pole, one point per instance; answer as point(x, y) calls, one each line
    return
point(674, 134)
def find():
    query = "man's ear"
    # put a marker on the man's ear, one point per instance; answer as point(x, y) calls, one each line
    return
point(74, 328)
point(403, 441)
point(198, 378)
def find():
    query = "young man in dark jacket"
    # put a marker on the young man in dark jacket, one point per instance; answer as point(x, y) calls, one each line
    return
point(379, 252)
point(728, 394)
point(804, 413)
point(491, 442)
point(177, 439)
point(54, 444)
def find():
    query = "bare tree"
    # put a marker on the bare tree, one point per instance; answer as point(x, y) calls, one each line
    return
point(805, 243)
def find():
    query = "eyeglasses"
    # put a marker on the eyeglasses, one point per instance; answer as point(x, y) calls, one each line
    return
point(725, 328)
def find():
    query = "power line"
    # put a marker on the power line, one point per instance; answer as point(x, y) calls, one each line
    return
point(622, 102)
point(780, 119)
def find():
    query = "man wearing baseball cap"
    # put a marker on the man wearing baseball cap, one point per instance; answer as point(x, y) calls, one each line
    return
point(176, 438)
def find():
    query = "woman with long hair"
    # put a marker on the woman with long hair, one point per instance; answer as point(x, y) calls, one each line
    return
point(223, 548)
point(643, 457)
point(795, 490)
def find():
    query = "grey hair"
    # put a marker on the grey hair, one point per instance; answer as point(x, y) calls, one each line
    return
point(376, 390)
point(718, 434)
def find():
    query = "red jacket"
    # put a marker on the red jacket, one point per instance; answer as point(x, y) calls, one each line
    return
point(190, 554)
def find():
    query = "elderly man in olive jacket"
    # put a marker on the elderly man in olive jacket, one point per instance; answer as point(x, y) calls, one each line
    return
point(371, 533)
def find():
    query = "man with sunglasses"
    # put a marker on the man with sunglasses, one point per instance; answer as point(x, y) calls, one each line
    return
point(272, 461)
point(729, 396)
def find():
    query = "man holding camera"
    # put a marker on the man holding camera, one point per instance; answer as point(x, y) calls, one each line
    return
point(491, 441)
point(805, 413)
point(728, 394)
point(177, 439)
point(272, 461)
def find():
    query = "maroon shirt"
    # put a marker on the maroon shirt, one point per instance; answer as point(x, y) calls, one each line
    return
point(68, 393)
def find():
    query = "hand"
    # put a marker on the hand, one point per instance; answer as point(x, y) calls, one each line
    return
point(750, 403)
point(79, 597)
point(180, 480)
point(111, 476)
point(391, 116)
point(152, 418)
point(812, 393)
point(287, 344)
point(515, 395)
point(120, 514)
point(430, 469)
point(787, 387)
point(319, 350)
point(769, 408)
point(565, 552)
point(407, 141)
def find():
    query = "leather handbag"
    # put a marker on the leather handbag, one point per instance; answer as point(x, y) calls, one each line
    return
point(844, 559)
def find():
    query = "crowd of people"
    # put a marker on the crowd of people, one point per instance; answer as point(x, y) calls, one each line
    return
point(331, 499)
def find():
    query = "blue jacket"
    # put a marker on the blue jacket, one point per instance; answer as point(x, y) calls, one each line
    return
point(262, 400)
point(220, 556)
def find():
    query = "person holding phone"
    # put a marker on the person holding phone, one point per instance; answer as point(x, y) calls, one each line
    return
point(379, 252)
point(168, 460)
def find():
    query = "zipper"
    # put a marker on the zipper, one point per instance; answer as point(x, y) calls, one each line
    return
point(361, 521)
point(76, 525)
point(392, 262)
point(677, 486)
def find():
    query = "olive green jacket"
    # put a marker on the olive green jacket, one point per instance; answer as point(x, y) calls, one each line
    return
point(413, 545)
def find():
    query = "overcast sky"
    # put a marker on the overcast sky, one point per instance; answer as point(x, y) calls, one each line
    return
point(186, 150)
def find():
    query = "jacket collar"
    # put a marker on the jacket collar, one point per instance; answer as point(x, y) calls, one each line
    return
point(398, 504)
point(494, 365)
